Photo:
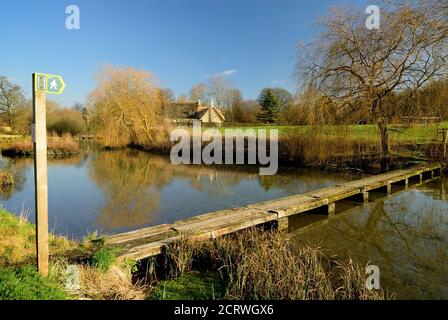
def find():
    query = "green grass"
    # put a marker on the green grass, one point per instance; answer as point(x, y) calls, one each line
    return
point(189, 286)
point(18, 238)
point(26, 284)
point(18, 277)
point(103, 259)
point(12, 224)
point(419, 133)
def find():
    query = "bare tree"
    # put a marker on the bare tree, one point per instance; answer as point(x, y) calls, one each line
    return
point(198, 92)
point(219, 90)
point(11, 99)
point(233, 101)
point(86, 117)
point(283, 95)
point(359, 68)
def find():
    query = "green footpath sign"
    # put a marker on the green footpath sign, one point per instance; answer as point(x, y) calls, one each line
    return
point(49, 83)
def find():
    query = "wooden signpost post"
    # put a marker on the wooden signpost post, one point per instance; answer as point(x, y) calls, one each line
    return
point(42, 84)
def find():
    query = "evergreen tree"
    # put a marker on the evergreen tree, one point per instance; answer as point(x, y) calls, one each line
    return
point(270, 105)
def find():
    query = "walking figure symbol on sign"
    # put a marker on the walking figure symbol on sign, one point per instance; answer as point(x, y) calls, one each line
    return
point(54, 85)
point(49, 83)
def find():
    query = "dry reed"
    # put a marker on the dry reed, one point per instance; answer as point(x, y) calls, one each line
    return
point(56, 146)
point(268, 265)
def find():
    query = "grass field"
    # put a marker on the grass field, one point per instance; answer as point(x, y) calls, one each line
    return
point(418, 133)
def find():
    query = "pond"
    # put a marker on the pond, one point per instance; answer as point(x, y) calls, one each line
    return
point(404, 234)
point(117, 191)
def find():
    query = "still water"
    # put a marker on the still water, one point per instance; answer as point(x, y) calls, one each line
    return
point(116, 191)
point(405, 234)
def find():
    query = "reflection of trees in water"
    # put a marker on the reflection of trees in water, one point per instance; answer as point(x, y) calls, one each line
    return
point(126, 183)
point(405, 235)
point(132, 182)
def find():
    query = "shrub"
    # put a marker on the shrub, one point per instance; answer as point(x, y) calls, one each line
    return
point(56, 146)
point(62, 145)
point(66, 125)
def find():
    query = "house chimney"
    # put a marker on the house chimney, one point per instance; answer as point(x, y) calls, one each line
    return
point(210, 111)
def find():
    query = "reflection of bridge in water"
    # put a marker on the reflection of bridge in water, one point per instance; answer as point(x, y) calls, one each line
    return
point(313, 219)
point(151, 241)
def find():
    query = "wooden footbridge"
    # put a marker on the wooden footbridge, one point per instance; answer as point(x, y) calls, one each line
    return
point(147, 242)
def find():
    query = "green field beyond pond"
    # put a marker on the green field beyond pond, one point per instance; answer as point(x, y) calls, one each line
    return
point(416, 133)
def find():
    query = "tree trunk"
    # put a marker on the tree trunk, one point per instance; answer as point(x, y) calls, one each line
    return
point(384, 131)
point(385, 152)
point(10, 119)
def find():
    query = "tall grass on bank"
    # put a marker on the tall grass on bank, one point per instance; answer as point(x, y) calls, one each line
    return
point(319, 146)
point(343, 146)
point(268, 265)
point(56, 146)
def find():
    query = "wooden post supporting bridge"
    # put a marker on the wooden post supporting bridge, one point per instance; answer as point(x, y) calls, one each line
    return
point(147, 242)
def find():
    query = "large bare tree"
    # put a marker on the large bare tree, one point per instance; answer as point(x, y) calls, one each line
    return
point(219, 89)
point(358, 68)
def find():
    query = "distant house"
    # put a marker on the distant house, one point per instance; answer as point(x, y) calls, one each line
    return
point(182, 111)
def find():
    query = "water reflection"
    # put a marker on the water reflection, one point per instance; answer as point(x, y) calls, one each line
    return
point(16, 169)
point(404, 234)
point(141, 188)
point(114, 191)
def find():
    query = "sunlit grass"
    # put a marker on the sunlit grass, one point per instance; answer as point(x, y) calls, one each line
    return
point(417, 133)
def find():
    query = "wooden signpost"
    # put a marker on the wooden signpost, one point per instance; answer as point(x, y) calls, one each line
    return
point(42, 84)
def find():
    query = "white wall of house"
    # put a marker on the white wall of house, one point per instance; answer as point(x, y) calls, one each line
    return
point(212, 117)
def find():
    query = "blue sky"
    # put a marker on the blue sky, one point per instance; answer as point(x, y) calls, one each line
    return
point(254, 42)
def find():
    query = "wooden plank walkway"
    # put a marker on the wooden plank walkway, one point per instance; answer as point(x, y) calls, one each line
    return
point(147, 242)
